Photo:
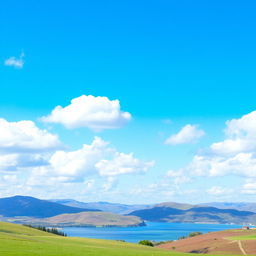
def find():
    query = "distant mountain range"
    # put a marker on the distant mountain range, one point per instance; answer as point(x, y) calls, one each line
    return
point(196, 215)
point(241, 206)
point(33, 207)
point(30, 210)
point(23, 208)
point(177, 212)
point(126, 209)
point(103, 206)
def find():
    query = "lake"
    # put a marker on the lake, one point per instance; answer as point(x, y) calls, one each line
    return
point(153, 231)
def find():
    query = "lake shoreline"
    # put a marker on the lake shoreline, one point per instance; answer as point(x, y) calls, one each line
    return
point(155, 231)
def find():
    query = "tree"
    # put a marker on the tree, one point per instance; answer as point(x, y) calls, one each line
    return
point(146, 242)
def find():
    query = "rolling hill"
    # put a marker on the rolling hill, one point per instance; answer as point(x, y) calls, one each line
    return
point(126, 208)
point(98, 219)
point(33, 207)
point(228, 242)
point(17, 240)
point(180, 206)
point(196, 215)
point(241, 206)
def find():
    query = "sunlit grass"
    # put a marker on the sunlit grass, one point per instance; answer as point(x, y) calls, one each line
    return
point(17, 240)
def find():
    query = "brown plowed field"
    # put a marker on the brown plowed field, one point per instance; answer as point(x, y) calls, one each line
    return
point(215, 243)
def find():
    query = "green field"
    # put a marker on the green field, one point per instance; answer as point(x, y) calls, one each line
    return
point(248, 237)
point(17, 240)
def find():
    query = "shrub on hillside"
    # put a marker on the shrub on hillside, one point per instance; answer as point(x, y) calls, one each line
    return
point(162, 242)
point(194, 234)
point(146, 242)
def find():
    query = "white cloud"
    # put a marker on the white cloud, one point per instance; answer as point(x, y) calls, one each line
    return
point(96, 113)
point(243, 164)
point(110, 183)
point(8, 162)
point(157, 188)
point(15, 62)
point(95, 159)
point(25, 136)
point(14, 162)
point(162, 190)
point(235, 155)
point(31, 162)
point(219, 191)
point(24, 145)
point(89, 184)
point(188, 134)
point(249, 188)
point(179, 177)
point(122, 164)
point(81, 162)
point(241, 136)
point(242, 127)
point(10, 179)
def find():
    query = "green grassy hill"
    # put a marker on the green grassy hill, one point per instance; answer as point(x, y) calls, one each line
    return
point(17, 240)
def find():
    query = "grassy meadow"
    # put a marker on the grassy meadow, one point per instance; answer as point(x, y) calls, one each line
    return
point(246, 237)
point(17, 240)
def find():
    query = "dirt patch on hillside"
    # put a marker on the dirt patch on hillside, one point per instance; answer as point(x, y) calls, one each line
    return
point(215, 243)
point(249, 246)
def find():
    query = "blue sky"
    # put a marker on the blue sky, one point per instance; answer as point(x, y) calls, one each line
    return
point(169, 63)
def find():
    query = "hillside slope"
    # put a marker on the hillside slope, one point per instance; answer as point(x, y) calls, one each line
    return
point(33, 207)
point(180, 206)
point(241, 206)
point(98, 219)
point(232, 242)
point(17, 240)
point(196, 214)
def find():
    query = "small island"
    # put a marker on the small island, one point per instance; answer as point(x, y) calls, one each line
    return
point(89, 219)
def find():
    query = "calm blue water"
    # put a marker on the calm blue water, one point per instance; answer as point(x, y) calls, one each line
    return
point(153, 231)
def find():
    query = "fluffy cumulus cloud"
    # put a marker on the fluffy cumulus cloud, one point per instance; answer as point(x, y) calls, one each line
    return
point(96, 113)
point(15, 162)
point(243, 164)
point(122, 164)
point(80, 163)
point(241, 136)
point(23, 144)
point(15, 62)
point(97, 158)
point(25, 136)
point(188, 134)
point(236, 154)
point(33, 159)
